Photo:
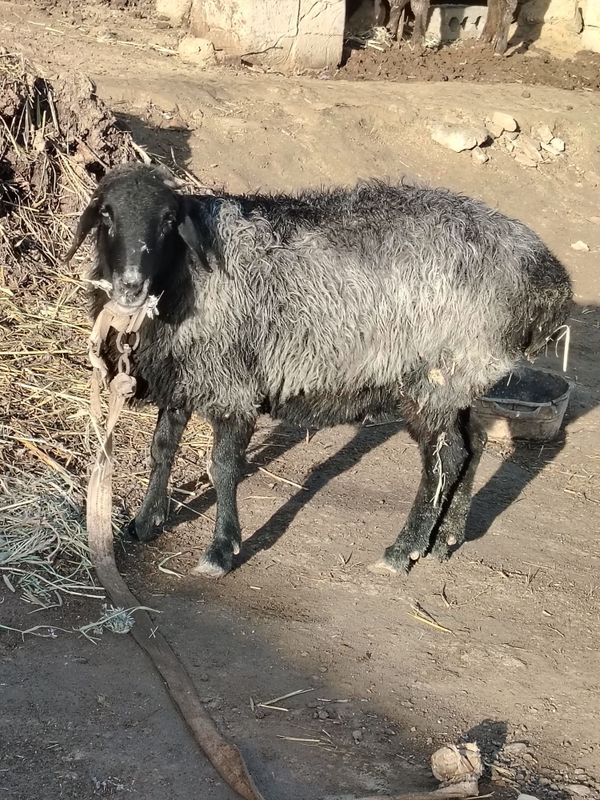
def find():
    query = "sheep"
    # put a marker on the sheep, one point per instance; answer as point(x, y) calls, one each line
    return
point(321, 308)
point(495, 31)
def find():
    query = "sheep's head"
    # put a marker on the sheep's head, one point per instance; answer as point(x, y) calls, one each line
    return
point(141, 223)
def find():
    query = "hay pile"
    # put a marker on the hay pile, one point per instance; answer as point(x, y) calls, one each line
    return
point(56, 141)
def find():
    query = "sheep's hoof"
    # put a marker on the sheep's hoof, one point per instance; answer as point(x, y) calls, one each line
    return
point(142, 530)
point(213, 565)
point(444, 546)
point(398, 559)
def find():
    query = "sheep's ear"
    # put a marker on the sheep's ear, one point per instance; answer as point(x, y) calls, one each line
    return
point(87, 221)
point(190, 231)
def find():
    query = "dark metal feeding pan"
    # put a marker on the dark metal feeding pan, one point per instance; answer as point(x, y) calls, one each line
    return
point(528, 404)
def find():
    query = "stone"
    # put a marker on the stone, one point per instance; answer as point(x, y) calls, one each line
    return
point(578, 789)
point(174, 10)
point(557, 145)
point(512, 135)
point(457, 137)
point(530, 148)
point(494, 128)
point(526, 797)
point(580, 246)
point(515, 748)
point(501, 120)
point(193, 50)
point(524, 160)
point(544, 134)
point(479, 156)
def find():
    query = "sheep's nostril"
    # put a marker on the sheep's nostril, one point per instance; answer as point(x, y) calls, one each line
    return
point(132, 286)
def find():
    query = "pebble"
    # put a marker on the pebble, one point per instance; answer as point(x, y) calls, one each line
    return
point(357, 736)
point(527, 797)
point(526, 94)
point(516, 747)
point(557, 144)
point(458, 137)
point(322, 714)
point(582, 247)
point(479, 156)
point(578, 789)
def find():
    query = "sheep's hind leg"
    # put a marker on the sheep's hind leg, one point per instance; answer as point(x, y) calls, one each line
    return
point(443, 454)
point(153, 511)
point(451, 531)
point(230, 440)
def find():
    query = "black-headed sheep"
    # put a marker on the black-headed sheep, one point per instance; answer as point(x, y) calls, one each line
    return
point(322, 308)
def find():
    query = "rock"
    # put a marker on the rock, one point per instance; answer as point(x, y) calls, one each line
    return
point(495, 130)
point(544, 134)
point(505, 121)
point(547, 148)
point(479, 156)
point(557, 144)
point(527, 797)
point(510, 146)
point(524, 160)
point(578, 789)
point(582, 247)
point(515, 747)
point(459, 137)
point(511, 135)
point(357, 736)
point(530, 148)
point(595, 220)
point(193, 50)
point(174, 10)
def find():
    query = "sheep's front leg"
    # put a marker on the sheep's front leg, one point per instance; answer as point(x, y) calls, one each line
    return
point(420, 9)
point(451, 531)
point(444, 455)
point(153, 511)
point(397, 9)
point(230, 440)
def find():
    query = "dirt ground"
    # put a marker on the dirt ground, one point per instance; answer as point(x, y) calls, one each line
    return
point(514, 656)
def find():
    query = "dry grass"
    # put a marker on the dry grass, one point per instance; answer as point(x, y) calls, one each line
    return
point(54, 142)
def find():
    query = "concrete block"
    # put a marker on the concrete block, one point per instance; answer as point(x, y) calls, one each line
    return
point(591, 13)
point(590, 39)
point(288, 34)
point(451, 22)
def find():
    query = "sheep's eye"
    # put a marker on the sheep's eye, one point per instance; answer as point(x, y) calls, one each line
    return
point(106, 215)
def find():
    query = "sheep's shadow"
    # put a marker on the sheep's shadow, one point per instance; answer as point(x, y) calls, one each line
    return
point(503, 489)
